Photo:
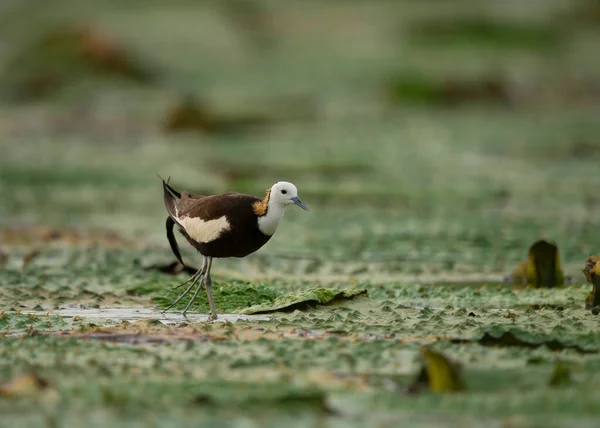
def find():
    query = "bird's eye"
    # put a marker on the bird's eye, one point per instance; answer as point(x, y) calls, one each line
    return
point(284, 192)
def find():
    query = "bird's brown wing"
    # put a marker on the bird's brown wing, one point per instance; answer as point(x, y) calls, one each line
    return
point(216, 206)
point(187, 202)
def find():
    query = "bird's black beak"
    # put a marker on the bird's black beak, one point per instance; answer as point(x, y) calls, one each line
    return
point(298, 202)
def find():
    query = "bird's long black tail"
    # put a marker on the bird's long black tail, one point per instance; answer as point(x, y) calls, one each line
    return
point(170, 195)
point(172, 241)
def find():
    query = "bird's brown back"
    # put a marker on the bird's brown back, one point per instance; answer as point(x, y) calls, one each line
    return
point(214, 206)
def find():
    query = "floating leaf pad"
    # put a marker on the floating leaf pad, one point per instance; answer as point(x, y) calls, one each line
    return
point(17, 321)
point(518, 338)
point(304, 299)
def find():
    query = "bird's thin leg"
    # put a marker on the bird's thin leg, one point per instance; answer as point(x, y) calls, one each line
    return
point(200, 272)
point(207, 269)
point(207, 283)
point(195, 278)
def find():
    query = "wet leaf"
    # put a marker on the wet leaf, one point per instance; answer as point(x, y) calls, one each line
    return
point(305, 299)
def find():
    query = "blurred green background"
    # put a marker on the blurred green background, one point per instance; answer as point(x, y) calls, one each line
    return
point(448, 134)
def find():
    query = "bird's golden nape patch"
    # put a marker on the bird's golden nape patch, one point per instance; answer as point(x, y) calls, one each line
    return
point(260, 208)
point(205, 231)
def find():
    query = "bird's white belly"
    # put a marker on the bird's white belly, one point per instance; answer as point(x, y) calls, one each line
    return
point(204, 231)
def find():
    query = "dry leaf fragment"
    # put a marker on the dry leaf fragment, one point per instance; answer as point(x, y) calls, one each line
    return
point(28, 258)
point(591, 268)
point(592, 275)
point(438, 374)
point(542, 267)
point(24, 384)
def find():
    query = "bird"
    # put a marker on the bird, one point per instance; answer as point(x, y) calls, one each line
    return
point(222, 226)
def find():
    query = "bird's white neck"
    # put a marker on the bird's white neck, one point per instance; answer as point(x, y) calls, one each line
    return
point(268, 222)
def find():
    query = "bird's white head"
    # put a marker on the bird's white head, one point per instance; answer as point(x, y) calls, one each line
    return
point(271, 209)
point(284, 193)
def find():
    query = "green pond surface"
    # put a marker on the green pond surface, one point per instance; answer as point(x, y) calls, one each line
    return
point(427, 183)
point(110, 356)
